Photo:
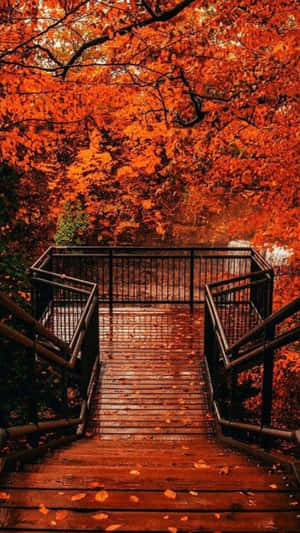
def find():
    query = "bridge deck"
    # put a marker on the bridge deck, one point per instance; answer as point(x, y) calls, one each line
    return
point(152, 462)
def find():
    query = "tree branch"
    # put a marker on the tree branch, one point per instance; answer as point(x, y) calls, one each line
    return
point(197, 104)
point(160, 17)
point(43, 32)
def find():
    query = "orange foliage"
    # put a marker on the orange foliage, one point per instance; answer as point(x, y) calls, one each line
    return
point(144, 111)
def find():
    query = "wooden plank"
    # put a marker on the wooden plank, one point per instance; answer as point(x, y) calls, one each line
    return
point(151, 500)
point(152, 378)
point(177, 478)
point(154, 521)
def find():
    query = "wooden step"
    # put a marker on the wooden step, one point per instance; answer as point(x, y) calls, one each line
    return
point(70, 520)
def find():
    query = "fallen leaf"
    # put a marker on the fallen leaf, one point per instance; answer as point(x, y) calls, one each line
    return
point(217, 515)
point(53, 523)
point(201, 465)
point(4, 496)
point(134, 473)
point(184, 518)
point(95, 484)
point(170, 494)
point(113, 527)
point(134, 499)
point(100, 516)
point(172, 529)
point(166, 517)
point(60, 493)
point(224, 470)
point(273, 486)
point(194, 493)
point(43, 509)
point(78, 497)
point(61, 515)
point(101, 496)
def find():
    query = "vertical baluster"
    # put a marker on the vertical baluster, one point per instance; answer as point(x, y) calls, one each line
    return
point(110, 280)
point(192, 279)
point(267, 389)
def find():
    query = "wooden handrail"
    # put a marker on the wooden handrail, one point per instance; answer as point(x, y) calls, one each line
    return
point(271, 320)
point(17, 311)
point(240, 278)
point(281, 340)
point(216, 317)
point(25, 341)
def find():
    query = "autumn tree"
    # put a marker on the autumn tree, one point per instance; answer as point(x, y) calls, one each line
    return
point(145, 110)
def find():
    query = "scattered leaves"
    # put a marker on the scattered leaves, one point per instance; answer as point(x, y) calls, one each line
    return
point(100, 516)
point(134, 473)
point(101, 496)
point(134, 499)
point(224, 470)
point(61, 515)
point(170, 494)
point(78, 497)
point(4, 496)
point(43, 509)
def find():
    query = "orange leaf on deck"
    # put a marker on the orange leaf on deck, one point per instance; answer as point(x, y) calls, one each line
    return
point(134, 499)
point(61, 515)
point(100, 516)
point(170, 494)
point(225, 470)
point(4, 496)
point(95, 484)
point(113, 527)
point(43, 509)
point(201, 465)
point(78, 497)
point(134, 473)
point(101, 496)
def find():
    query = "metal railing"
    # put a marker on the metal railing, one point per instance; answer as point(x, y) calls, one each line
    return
point(127, 275)
point(58, 351)
point(60, 340)
point(241, 340)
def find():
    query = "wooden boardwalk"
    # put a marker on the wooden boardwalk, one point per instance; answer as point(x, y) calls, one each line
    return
point(151, 462)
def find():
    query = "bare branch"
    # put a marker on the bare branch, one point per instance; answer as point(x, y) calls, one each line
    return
point(161, 17)
point(197, 104)
point(46, 30)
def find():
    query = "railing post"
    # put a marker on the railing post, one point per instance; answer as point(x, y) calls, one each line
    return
point(270, 293)
point(267, 388)
point(30, 385)
point(110, 266)
point(192, 257)
point(33, 291)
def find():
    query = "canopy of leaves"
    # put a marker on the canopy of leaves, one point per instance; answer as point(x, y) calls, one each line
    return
point(156, 116)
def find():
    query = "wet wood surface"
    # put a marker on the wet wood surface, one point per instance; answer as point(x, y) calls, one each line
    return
point(151, 461)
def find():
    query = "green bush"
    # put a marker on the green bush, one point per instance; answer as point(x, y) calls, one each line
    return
point(73, 225)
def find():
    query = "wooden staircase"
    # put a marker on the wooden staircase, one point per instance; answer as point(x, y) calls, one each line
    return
point(151, 461)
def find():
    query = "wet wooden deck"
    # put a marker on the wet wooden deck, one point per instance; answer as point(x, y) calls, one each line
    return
point(152, 462)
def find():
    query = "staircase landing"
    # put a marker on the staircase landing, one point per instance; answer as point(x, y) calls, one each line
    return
point(152, 462)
